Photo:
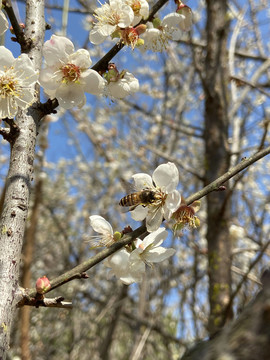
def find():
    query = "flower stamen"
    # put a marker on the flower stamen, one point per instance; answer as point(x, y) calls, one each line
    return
point(71, 73)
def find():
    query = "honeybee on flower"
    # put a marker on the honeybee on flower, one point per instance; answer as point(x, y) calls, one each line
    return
point(156, 196)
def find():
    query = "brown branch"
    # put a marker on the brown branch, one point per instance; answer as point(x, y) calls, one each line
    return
point(12, 133)
point(240, 81)
point(215, 185)
point(102, 64)
point(78, 272)
point(46, 302)
point(19, 33)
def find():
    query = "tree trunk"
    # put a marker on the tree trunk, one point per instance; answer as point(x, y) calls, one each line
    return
point(215, 84)
point(29, 242)
point(16, 203)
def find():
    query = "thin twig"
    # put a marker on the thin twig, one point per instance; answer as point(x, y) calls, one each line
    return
point(79, 271)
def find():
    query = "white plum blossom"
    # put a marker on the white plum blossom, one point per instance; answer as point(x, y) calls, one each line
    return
point(140, 9)
point(3, 21)
point(103, 227)
point(177, 20)
point(163, 182)
point(117, 14)
point(158, 33)
point(149, 250)
point(185, 21)
point(123, 86)
point(66, 75)
point(17, 79)
point(129, 267)
point(121, 267)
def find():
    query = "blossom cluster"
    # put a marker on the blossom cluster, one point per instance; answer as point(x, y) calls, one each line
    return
point(156, 199)
point(67, 75)
point(128, 264)
point(121, 19)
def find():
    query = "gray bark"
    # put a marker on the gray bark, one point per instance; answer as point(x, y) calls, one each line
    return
point(20, 175)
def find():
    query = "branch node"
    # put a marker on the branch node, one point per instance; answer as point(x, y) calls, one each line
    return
point(12, 133)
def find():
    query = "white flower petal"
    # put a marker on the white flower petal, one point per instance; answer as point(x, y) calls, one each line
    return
point(136, 264)
point(136, 20)
point(173, 19)
point(187, 13)
point(156, 238)
point(139, 213)
point(26, 98)
point(50, 79)
point(24, 69)
point(142, 181)
point(4, 109)
point(123, 87)
point(69, 95)
point(6, 58)
point(158, 254)
point(154, 40)
point(80, 58)
point(123, 269)
point(57, 49)
point(173, 200)
point(154, 218)
point(94, 83)
point(3, 23)
point(127, 16)
point(96, 37)
point(119, 262)
point(100, 225)
point(166, 176)
point(128, 279)
point(167, 213)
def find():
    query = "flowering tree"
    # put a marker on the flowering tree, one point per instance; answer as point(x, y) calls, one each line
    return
point(174, 156)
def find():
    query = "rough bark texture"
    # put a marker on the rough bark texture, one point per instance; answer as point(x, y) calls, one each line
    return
point(217, 160)
point(247, 338)
point(15, 208)
point(29, 242)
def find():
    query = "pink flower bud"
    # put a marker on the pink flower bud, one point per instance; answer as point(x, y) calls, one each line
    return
point(43, 285)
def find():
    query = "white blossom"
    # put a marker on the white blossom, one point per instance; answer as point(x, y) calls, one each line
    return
point(66, 75)
point(157, 35)
point(140, 9)
point(129, 267)
point(127, 85)
point(17, 79)
point(149, 250)
point(163, 182)
point(110, 17)
point(185, 19)
point(103, 227)
point(3, 21)
point(121, 267)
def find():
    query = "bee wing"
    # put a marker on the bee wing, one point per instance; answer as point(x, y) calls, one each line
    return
point(129, 187)
point(128, 208)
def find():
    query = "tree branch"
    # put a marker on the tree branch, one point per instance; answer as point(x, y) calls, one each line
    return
point(78, 272)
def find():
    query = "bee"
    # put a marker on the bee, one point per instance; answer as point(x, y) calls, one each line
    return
point(144, 197)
